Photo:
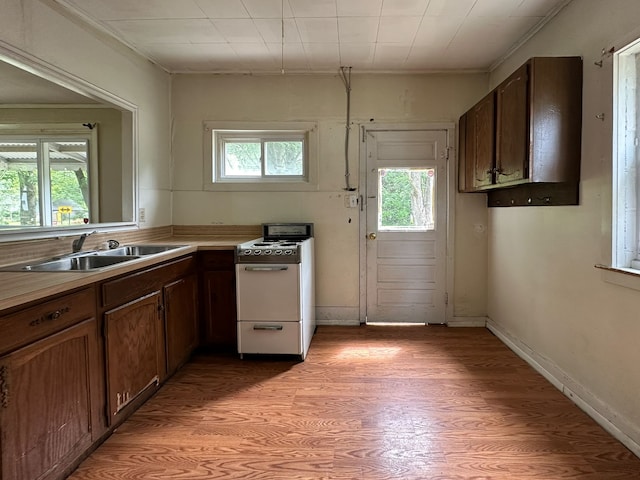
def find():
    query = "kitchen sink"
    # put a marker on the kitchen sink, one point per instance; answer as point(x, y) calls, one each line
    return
point(91, 260)
point(80, 263)
point(139, 250)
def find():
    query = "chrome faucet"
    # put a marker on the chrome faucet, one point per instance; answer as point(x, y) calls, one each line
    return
point(78, 242)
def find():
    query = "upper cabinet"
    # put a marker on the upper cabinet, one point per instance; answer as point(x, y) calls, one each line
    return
point(527, 130)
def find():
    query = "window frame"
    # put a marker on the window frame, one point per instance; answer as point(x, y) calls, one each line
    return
point(215, 133)
point(626, 158)
point(51, 133)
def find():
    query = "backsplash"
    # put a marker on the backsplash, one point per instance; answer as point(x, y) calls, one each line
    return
point(23, 251)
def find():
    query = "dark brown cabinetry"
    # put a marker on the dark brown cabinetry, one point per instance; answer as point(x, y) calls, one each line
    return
point(144, 314)
point(50, 388)
point(134, 357)
point(181, 320)
point(218, 327)
point(477, 145)
point(527, 130)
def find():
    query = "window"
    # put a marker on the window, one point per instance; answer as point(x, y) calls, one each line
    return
point(44, 178)
point(407, 199)
point(260, 156)
point(626, 191)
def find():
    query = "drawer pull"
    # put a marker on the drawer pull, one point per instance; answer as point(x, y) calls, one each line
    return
point(279, 268)
point(4, 387)
point(49, 317)
point(267, 327)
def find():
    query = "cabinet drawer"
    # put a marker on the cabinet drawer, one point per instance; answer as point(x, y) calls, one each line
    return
point(270, 337)
point(123, 289)
point(36, 322)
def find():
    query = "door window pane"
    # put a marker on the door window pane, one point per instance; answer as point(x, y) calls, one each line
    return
point(406, 199)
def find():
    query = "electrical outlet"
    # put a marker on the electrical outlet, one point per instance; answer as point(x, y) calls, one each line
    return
point(142, 215)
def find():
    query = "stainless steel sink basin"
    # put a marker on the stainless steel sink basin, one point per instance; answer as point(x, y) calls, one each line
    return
point(81, 263)
point(140, 250)
point(90, 261)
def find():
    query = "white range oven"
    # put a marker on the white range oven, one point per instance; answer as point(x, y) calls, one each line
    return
point(275, 291)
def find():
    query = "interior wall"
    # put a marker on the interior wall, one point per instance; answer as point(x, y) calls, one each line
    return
point(44, 30)
point(322, 99)
point(544, 291)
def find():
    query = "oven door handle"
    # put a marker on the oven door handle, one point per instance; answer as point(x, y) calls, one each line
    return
point(266, 269)
point(267, 327)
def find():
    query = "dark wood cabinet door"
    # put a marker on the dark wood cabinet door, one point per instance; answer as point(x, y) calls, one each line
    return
point(512, 148)
point(180, 307)
point(482, 124)
point(219, 319)
point(134, 359)
point(46, 403)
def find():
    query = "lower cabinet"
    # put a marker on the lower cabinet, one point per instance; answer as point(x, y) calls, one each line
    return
point(181, 320)
point(47, 405)
point(218, 318)
point(133, 354)
point(149, 318)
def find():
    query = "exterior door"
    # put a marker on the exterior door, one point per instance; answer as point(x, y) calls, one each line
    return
point(406, 220)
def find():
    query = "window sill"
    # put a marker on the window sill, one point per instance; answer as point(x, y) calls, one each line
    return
point(624, 277)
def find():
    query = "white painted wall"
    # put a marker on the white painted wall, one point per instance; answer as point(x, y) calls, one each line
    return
point(544, 291)
point(322, 99)
point(43, 30)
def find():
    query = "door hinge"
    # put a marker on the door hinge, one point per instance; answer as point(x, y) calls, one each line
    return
point(448, 149)
point(446, 298)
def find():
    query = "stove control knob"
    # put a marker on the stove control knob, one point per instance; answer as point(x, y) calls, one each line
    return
point(267, 252)
point(288, 252)
point(257, 252)
point(278, 252)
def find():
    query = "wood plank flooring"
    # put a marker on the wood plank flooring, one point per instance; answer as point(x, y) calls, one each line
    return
point(369, 403)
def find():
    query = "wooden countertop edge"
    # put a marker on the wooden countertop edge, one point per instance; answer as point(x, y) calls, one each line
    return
point(18, 288)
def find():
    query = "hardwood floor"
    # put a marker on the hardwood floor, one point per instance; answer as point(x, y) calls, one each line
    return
point(369, 403)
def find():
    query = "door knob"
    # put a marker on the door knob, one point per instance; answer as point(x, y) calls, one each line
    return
point(372, 236)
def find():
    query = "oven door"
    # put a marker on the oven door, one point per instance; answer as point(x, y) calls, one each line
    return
point(268, 292)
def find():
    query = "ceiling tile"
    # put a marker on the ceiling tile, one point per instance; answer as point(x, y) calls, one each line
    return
point(356, 55)
point(129, 10)
point(493, 8)
point(398, 29)
point(238, 30)
point(313, 8)
point(142, 32)
point(268, 8)
point(359, 8)
point(318, 30)
point(438, 31)
point(358, 29)
point(271, 30)
point(390, 55)
point(323, 56)
point(378, 35)
point(295, 57)
point(396, 8)
point(189, 57)
point(223, 8)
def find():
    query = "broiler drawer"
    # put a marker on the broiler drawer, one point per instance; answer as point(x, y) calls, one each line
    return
point(270, 337)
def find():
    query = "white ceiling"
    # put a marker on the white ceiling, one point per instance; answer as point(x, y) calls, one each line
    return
point(245, 36)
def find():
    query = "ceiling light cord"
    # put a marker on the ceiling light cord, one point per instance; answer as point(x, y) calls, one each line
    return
point(345, 74)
